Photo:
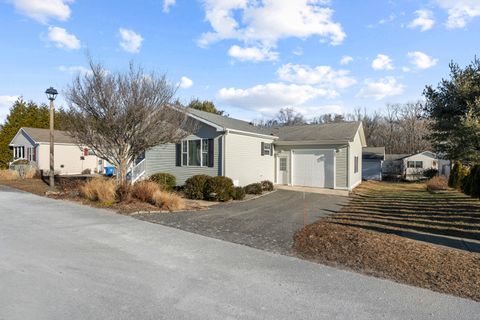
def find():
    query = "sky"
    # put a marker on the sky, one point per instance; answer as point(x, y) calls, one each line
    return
point(250, 57)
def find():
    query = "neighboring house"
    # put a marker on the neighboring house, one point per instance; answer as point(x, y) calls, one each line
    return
point(372, 160)
point(33, 144)
point(325, 156)
point(411, 166)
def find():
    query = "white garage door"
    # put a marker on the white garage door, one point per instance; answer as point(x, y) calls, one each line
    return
point(313, 168)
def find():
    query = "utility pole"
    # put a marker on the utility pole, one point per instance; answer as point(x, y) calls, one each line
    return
point(51, 95)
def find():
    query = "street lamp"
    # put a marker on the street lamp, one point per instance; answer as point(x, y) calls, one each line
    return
point(51, 95)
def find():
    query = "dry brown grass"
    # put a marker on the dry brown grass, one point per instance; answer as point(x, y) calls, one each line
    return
point(9, 175)
point(437, 183)
point(99, 189)
point(168, 201)
point(31, 173)
point(145, 191)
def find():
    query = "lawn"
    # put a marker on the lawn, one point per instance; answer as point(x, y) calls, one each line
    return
point(402, 232)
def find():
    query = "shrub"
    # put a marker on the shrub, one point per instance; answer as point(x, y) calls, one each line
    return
point(437, 183)
point(168, 201)
point(145, 190)
point(166, 181)
point(124, 192)
point(267, 185)
point(254, 188)
point(99, 189)
point(458, 173)
point(430, 173)
point(31, 173)
point(8, 175)
point(195, 186)
point(470, 185)
point(87, 171)
point(238, 193)
point(218, 189)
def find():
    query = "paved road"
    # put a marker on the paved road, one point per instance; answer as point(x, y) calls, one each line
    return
point(60, 260)
point(266, 223)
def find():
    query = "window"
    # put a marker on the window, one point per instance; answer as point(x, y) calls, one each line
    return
point(196, 153)
point(419, 164)
point(283, 164)
point(410, 164)
point(205, 152)
point(355, 164)
point(267, 149)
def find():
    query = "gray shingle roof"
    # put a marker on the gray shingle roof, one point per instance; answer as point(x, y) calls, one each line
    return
point(342, 131)
point(227, 122)
point(373, 153)
point(43, 135)
point(396, 156)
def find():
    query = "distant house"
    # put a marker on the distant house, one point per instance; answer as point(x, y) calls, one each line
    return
point(33, 144)
point(411, 166)
point(324, 156)
point(372, 162)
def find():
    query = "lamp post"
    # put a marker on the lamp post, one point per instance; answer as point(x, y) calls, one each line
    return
point(51, 95)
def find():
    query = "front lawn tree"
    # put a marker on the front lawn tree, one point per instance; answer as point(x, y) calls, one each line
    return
point(119, 115)
point(454, 107)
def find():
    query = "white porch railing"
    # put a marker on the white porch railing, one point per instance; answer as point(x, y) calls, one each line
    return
point(138, 171)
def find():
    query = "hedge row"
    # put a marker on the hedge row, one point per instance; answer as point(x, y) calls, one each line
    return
point(468, 180)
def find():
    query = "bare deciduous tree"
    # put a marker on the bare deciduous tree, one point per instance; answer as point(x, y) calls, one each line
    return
point(120, 115)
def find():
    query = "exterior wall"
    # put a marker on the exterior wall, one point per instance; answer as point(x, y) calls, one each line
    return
point(355, 150)
point(244, 162)
point(340, 161)
point(416, 173)
point(372, 169)
point(67, 159)
point(162, 158)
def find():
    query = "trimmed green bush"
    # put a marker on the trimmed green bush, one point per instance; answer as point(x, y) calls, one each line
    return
point(195, 186)
point(254, 188)
point(458, 173)
point(238, 193)
point(219, 189)
point(166, 181)
point(267, 185)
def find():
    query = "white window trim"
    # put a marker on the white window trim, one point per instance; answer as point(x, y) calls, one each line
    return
point(267, 147)
point(201, 153)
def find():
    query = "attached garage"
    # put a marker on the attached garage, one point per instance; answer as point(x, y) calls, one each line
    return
point(313, 168)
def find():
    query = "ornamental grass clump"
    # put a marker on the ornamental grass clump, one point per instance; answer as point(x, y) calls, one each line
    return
point(99, 189)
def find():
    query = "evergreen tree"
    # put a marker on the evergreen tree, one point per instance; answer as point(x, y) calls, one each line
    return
point(23, 114)
point(205, 105)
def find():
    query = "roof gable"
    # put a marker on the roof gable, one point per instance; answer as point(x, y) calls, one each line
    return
point(341, 131)
point(43, 135)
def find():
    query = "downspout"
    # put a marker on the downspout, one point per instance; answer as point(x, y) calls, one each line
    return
point(224, 153)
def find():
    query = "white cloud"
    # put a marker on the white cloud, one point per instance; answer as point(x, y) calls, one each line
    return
point(405, 69)
point(252, 54)
point(460, 12)
point(422, 60)
point(382, 62)
point(185, 82)
point(43, 10)
point(346, 60)
point(381, 89)
point(74, 69)
point(272, 96)
point(131, 41)
point(262, 23)
point(62, 39)
point(424, 20)
point(167, 4)
point(298, 51)
point(323, 76)
point(6, 103)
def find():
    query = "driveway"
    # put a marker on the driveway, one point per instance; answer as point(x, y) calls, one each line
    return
point(267, 223)
point(60, 260)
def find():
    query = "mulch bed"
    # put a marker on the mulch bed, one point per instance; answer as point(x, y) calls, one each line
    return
point(348, 240)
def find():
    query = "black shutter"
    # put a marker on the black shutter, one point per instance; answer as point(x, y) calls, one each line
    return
point(210, 153)
point(271, 149)
point(178, 155)
point(263, 149)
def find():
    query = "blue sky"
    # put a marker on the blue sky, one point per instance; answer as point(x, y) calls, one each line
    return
point(250, 57)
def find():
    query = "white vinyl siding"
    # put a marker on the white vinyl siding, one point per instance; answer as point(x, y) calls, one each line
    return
point(355, 152)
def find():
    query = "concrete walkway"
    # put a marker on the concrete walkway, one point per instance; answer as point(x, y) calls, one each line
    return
point(332, 192)
point(60, 260)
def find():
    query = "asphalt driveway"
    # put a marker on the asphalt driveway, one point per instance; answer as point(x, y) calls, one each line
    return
point(266, 223)
point(61, 260)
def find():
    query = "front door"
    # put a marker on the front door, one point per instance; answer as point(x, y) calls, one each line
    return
point(282, 172)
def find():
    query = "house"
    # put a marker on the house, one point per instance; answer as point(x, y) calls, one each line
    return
point(372, 161)
point(410, 167)
point(325, 156)
point(33, 144)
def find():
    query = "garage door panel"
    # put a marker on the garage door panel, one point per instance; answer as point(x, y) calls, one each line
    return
point(313, 168)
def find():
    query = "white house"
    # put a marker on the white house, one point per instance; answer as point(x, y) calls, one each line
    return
point(324, 156)
point(33, 144)
point(411, 166)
